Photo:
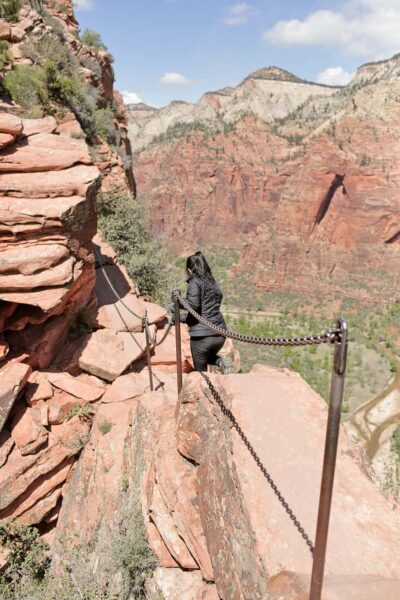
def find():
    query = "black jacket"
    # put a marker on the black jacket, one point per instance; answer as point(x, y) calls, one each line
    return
point(205, 298)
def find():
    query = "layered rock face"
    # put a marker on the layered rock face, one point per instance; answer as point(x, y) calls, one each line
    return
point(307, 191)
point(95, 65)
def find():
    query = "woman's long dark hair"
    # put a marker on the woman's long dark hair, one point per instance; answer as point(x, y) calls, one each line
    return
point(200, 267)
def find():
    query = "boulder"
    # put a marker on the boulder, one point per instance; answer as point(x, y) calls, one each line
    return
point(6, 139)
point(10, 124)
point(13, 378)
point(109, 353)
point(176, 584)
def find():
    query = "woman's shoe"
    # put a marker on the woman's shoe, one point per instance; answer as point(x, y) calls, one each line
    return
point(226, 365)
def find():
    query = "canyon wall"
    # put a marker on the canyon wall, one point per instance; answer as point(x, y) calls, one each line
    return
point(307, 189)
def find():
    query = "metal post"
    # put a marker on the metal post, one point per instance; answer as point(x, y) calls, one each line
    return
point(177, 311)
point(146, 329)
point(328, 470)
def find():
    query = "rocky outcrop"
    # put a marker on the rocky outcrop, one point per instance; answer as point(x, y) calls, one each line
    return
point(95, 68)
point(264, 182)
point(213, 522)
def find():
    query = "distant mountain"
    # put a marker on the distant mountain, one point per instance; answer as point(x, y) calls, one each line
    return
point(302, 178)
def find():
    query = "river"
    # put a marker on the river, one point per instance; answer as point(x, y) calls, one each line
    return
point(374, 423)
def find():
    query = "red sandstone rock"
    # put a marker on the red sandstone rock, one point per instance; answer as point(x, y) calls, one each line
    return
point(109, 353)
point(32, 258)
point(74, 387)
point(207, 592)
point(6, 445)
point(44, 152)
point(112, 313)
point(4, 348)
point(61, 405)
point(10, 124)
point(123, 388)
point(69, 182)
point(6, 139)
point(292, 586)
point(176, 584)
point(27, 504)
point(234, 496)
point(38, 388)
point(13, 377)
point(21, 472)
point(34, 126)
point(27, 433)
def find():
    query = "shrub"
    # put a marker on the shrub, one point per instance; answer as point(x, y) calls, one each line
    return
point(5, 55)
point(93, 39)
point(27, 556)
point(125, 224)
point(105, 427)
point(9, 9)
point(26, 85)
point(104, 121)
point(84, 413)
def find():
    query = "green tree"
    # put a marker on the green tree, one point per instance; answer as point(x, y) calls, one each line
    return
point(124, 222)
point(93, 39)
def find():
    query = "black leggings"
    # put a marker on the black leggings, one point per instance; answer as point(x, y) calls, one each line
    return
point(204, 350)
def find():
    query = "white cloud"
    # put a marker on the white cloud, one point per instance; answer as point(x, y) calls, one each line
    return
point(84, 4)
point(172, 78)
point(334, 76)
point(368, 28)
point(131, 98)
point(238, 14)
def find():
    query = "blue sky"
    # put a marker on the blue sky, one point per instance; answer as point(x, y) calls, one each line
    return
point(178, 49)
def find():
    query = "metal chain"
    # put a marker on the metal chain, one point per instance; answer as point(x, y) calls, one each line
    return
point(330, 335)
point(98, 258)
point(257, 459)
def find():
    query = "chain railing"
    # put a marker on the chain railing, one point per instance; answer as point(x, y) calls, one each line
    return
point(150, 341)
point(338, 338)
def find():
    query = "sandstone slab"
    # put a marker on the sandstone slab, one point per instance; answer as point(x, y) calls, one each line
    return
point(10, 124)
point(51, 184)
point(109, 353)
point(38, 388)
point(78, 388)
point(27, 433)
point(293, 586)
point(13, 378)
point(21, 472)
point(34, 126)
point(123, 388)
point(29, 259)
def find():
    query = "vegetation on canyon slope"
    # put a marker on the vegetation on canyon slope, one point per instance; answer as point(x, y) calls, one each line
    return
point(124, 221)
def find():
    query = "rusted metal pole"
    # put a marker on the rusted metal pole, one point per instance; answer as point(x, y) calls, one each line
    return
point(328, 470)
point(177, 314)
point(146, 329)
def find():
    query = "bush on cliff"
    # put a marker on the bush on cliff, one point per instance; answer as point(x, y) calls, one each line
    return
point(124, 222)
point(93, 39)
point(27, 558)
point(9, 9)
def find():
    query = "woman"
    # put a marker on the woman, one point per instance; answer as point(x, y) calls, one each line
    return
point(205, 297)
